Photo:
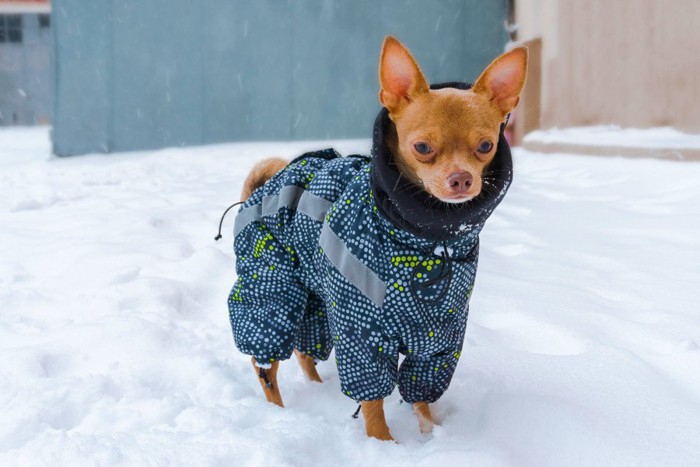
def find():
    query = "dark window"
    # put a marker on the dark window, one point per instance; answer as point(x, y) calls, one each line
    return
point(44, 21)
point(10, 28)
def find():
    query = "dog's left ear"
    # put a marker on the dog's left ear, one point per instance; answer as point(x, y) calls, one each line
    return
point(504, 79)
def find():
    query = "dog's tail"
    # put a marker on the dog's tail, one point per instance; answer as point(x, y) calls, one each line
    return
point(261, 172)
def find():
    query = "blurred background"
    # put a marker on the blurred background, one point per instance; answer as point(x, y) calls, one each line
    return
point(120, 75)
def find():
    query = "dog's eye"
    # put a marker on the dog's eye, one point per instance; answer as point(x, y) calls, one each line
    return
point(423, 148)
point(485, 146)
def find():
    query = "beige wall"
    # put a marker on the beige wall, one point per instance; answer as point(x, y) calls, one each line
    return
point(634, 63)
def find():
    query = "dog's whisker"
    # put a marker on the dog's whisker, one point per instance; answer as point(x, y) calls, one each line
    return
point(398, 180)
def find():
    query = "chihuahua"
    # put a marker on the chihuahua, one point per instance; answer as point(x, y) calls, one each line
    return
point(376, 257)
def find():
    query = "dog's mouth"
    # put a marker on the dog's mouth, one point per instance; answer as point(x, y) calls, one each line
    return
point(449, 192)
point(457, 199)
point(450, 196)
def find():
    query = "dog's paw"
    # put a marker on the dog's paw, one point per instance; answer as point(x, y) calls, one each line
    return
point(426, 426)
point(425, 418)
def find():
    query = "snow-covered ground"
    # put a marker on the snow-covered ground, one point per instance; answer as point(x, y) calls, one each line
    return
point(583, 346)
point(612, 135)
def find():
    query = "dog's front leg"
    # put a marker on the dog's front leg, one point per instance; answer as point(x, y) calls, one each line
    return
point(425, 418)
point(375, 422)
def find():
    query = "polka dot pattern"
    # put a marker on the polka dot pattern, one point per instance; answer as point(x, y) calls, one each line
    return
point(288, 294)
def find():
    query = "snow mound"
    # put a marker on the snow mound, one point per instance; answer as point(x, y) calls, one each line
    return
point(612, 135)
point(658, 143)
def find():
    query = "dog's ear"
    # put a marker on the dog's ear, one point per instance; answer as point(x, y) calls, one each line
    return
point(504, 79)
point(400, 78)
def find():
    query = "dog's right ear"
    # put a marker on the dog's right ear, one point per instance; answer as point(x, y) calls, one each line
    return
point(400, 78)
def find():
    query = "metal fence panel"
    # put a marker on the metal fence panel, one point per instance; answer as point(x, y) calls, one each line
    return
point(135, 75)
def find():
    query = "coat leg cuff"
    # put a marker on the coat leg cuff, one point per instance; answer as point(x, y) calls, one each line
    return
point(264, 366)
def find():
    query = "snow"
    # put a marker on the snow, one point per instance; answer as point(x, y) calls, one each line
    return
point(612, 135)
point(583, 346)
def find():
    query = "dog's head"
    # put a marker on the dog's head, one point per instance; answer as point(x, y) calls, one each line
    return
point(445, 138)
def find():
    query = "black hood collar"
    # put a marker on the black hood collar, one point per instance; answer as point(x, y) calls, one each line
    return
point(409, 207)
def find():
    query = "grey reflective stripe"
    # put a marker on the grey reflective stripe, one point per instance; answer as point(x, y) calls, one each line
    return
point(313, 206)
point(245, 216)
point(290, 196)
point(352, 268)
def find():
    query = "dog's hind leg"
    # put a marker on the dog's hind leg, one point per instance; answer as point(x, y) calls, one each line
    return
point(268, 382)
point(308, 366)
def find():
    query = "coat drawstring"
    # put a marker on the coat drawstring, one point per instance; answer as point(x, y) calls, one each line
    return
point(218, 236)
point(444, 274)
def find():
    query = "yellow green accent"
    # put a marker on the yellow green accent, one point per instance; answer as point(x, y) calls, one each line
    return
point(260, 245)
point(236, 296)
point(406, 261)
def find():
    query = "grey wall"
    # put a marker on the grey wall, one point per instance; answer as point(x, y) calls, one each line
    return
point(25, 84)
point(135, 74)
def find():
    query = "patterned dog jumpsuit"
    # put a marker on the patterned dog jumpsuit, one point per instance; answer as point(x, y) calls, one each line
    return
point(321, 265)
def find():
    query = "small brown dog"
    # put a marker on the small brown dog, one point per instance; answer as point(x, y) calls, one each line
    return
point(442, 141)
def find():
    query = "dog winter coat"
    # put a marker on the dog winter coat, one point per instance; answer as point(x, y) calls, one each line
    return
point(343, 252)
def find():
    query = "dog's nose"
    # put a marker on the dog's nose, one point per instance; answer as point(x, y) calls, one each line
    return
point(460, 181)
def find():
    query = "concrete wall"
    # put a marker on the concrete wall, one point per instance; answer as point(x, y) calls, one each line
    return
point(632, 63)
point(134, 74)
